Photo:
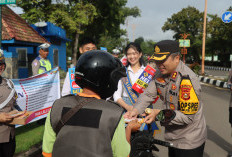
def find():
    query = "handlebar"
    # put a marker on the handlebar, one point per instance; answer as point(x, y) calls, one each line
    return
point(162, 143)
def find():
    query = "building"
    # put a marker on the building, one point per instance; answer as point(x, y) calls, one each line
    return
point(20, 43)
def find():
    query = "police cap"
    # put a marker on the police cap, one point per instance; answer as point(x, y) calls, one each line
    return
point(165, 48)
point(45, 46)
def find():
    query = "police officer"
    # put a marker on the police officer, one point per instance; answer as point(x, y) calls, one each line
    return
point(7, 102)
point(115, 52)
point(179, 89)
point(96, 127)
point(41, 64)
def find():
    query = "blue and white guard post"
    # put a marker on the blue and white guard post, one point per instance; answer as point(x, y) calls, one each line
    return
point(227, 17)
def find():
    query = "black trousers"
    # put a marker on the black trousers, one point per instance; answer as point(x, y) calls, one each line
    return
point(7, 149)
point(197, 152)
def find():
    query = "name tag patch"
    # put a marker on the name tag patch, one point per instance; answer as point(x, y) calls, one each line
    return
point(188, 107)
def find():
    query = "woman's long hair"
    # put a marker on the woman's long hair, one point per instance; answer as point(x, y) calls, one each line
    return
point(137, 48)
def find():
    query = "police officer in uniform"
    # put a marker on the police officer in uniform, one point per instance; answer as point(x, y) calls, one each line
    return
point(7, 102)
point(179, 89)
point(41, 64)
point(115, 52)
point(229, 83)
point(96, 128)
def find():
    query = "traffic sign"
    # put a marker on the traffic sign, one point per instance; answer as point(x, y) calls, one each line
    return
point(227, 17)
point(184, 51)
point(7, 2)
point(184, 43)
point(103, 48)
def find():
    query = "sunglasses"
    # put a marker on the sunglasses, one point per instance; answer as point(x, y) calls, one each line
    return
point(45, 49)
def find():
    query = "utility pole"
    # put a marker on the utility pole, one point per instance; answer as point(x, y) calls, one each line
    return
point(133, 29)
point(203, 41)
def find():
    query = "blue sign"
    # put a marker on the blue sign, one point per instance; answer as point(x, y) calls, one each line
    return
point(103, 48)
point(227, 17)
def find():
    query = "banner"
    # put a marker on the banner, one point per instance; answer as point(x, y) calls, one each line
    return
point(38, 93)
point(74, 87)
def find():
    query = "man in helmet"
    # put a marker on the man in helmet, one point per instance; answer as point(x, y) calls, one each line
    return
point(41, 64)
point(87, 44)
point(86, 124)
point(7, 102)
point(115, 52)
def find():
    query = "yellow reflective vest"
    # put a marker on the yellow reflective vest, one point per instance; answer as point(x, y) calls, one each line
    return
point(45, 65)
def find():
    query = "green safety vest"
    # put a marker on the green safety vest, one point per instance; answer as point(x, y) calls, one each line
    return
point(45, 65)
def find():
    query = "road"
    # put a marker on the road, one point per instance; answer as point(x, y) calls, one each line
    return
point(219, 142)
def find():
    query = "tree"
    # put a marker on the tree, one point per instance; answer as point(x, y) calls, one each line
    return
point(111, 14)
point(220, 38)
point(112, 43)
point(139, 40)
point(188, 20)
point(70, 15)
point(94, 18)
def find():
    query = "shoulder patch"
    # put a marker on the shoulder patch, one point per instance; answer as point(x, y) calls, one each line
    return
point(188, 101)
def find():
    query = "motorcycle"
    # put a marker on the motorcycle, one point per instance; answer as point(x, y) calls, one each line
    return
point(143, 143)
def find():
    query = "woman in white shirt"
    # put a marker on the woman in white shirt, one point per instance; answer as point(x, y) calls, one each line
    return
point(125, 95)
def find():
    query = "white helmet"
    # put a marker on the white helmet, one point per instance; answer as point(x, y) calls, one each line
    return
point(44, 46)
point(115, 51)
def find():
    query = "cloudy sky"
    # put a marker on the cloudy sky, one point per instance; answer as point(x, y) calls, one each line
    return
point(154, 13)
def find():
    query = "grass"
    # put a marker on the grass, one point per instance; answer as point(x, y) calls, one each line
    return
point(28, 136)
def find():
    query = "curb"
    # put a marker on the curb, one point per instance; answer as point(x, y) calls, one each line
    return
point(35, 151)
point(217, 68)
point(215, 82)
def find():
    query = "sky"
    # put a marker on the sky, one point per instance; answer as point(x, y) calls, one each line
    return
point(154, 14)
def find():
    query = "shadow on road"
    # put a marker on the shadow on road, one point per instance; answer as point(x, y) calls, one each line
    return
point(213, 136)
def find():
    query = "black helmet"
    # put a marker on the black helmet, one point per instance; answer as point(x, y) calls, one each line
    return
point(99, 71)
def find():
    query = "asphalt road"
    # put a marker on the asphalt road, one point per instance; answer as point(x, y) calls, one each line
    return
point(219, 142)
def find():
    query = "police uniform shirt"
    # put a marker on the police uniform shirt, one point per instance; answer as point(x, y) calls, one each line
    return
point(187, 130)
point(6, 130)
point(229, 82)
point(35, 66)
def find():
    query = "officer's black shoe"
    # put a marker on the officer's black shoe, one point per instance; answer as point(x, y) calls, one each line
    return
point(229, 155)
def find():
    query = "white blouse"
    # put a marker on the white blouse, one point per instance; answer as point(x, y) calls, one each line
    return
point(133, 77)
